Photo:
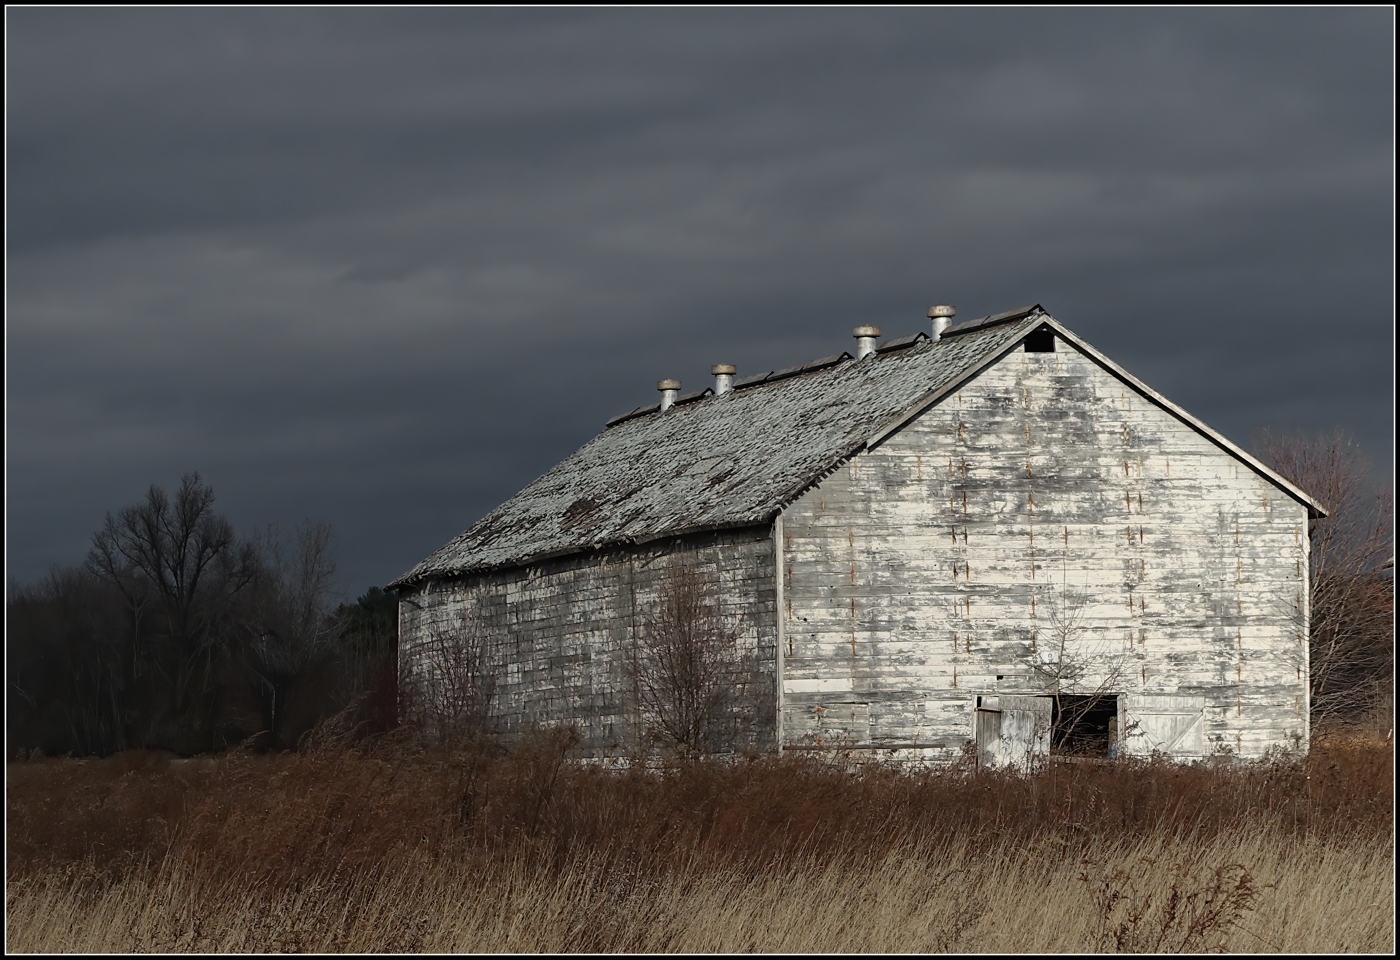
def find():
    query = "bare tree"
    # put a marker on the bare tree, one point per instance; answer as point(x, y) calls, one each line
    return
point(448, 683)
point(178, 567)
point(287, 620)
point(1066, 657)
point(1352, 593)
point(689, 672)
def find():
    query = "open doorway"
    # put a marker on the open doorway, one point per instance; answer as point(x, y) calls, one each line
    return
point(1084, 726)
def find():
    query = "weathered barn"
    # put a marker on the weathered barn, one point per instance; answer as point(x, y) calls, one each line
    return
point(994, 535)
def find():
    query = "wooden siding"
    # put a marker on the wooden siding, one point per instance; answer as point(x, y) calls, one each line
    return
point(560, 631)
point(941, 563)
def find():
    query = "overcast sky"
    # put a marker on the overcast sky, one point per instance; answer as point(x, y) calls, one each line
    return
point(384, 268)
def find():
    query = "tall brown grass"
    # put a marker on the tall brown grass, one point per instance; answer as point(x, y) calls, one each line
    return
point(396, 847)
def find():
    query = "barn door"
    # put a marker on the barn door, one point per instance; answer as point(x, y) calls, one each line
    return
point(1012, 731)
point(1150, 724)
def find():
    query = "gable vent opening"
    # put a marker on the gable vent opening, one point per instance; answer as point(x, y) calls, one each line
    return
point(1040, 340)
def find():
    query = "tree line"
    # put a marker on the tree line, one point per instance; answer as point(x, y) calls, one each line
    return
point(178, 634)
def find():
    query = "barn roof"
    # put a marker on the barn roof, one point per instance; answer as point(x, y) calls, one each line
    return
point(736, 460)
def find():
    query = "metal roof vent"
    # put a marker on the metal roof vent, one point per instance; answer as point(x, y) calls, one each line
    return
point(942, 317)
point(724, 378)
point(670, 390)
point(866, 336)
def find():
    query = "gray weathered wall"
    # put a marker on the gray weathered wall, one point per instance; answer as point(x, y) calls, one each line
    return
point(559, 632)
point(951, 560)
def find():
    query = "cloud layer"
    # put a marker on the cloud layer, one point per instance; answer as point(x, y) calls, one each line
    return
point(384, 268)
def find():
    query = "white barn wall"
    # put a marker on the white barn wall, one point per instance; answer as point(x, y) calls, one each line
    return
point(559, 631)
point(922, 569)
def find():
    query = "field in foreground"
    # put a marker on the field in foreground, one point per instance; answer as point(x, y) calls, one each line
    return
point(396, 848)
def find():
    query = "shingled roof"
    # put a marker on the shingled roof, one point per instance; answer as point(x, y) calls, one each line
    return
point(717, 462)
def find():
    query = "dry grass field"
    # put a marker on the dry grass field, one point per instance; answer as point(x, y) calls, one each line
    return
point(394, 847)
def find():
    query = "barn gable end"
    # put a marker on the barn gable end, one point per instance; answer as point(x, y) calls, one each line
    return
point(1044, 502)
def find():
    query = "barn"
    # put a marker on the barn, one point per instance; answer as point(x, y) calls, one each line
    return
point(985, 537)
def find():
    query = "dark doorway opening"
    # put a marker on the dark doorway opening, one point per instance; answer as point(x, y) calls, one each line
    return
point(1083, 726)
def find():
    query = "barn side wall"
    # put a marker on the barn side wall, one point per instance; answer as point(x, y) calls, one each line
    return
point(1044, 524)
point(558, 634)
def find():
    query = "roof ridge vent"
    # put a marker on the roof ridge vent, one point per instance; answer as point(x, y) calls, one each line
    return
point(724, 377)
point(865, 335)
point(942, 316)
point(670, 390)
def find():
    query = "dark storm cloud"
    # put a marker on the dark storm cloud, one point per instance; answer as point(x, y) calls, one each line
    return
point(384, 268)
